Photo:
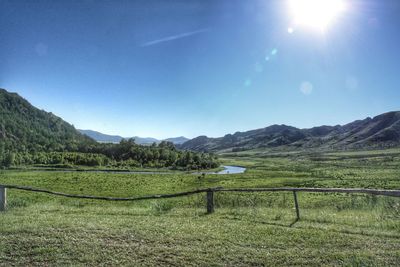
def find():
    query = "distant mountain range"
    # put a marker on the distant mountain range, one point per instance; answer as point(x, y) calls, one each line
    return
point(23, 127)
point(105, 138)
point(381, 131)
point(177, 140)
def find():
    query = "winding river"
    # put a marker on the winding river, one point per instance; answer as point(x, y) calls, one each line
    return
point(232, 170)
point(227, 170)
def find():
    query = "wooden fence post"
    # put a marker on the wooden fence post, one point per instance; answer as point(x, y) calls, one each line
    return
point(296, 204)
point(3, 198)
point(210, 201)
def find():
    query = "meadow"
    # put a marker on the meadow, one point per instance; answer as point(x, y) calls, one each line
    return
point(246, 229)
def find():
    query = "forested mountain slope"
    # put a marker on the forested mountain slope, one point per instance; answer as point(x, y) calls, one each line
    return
point(24, 127)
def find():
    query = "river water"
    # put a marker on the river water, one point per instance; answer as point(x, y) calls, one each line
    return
point(232, 170)
point(226, 170)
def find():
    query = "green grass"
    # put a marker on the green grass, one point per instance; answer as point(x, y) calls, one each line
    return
point(246, 229)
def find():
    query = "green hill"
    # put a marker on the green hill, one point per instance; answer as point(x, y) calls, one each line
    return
point(24, 127)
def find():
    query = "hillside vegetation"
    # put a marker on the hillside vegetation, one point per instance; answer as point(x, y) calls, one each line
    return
point(26, 128)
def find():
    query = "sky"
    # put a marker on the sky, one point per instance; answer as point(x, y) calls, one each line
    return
point(200, 67)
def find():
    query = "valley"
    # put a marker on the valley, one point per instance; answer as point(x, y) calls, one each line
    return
point(258, 228)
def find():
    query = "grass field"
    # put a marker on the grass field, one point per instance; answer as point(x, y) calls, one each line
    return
point(246, 229)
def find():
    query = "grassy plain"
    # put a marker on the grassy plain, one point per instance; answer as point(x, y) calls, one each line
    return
point(246, 229)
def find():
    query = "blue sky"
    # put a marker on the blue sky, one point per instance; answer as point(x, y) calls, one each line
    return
point(171, 68)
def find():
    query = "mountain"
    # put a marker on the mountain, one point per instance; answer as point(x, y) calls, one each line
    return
point(105, 138)
point(100, 137)
point(177, 140)
point(379, 132)
point(23, 127)
point(145, 140)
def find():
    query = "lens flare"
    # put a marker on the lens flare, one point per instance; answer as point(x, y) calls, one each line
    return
point(306, 87)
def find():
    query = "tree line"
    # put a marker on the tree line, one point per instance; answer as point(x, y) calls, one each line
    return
point(126, 154)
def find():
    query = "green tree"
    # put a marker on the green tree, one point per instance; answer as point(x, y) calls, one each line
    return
point(9, 159)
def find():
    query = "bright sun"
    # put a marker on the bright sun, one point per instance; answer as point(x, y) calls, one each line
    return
point(317, 14)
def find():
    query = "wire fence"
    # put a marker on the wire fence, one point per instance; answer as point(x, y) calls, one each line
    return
point(210, 203)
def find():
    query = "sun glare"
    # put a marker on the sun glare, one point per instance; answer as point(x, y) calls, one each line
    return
point(317, 14)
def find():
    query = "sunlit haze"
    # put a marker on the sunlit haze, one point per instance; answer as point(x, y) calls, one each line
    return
point(317, 14)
